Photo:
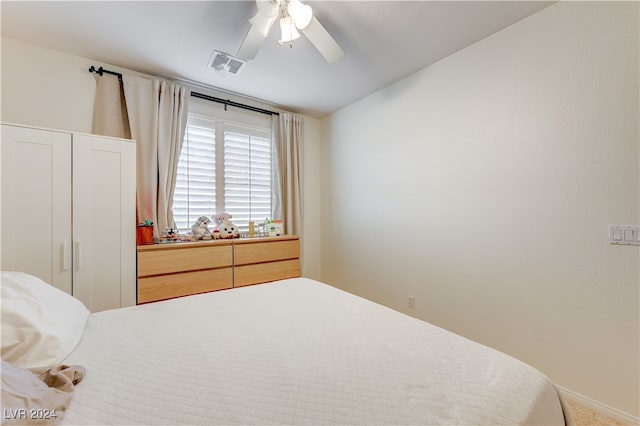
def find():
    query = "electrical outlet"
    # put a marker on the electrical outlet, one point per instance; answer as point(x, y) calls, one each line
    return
point(412, 302)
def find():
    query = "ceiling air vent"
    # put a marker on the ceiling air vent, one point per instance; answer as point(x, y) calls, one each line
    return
point(225, 64)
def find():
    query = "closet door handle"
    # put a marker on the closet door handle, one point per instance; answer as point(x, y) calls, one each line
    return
point(65, 255)
point(78, 255)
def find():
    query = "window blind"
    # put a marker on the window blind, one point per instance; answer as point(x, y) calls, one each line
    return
point(247, 174)
point(195, 193)
point(223, 167)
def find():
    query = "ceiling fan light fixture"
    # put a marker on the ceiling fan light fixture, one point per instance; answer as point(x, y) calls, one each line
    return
point(301, 13)
point(294, 15)
point(288, 31)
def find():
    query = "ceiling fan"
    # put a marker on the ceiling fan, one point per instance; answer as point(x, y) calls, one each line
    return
point(294, 16)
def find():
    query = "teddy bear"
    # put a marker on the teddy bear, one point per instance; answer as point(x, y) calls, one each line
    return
point(223, 227)
point(228, 230)
point(219, 218)
point(201, 228)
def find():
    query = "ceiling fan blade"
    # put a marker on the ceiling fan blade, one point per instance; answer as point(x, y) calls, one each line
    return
point(251, 44)
point(323, 41)
point(261, 24)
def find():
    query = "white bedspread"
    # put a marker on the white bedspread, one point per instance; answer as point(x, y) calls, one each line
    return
point(295, 352)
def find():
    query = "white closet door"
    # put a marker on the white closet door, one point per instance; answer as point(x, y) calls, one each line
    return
point(36, 204)
point(104, 222)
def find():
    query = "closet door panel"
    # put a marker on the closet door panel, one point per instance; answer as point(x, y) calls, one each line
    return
point(104, 222)
point(36, 204)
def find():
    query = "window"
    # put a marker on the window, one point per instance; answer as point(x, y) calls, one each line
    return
point(195, 193)
point(247, 175)
point(223, 167)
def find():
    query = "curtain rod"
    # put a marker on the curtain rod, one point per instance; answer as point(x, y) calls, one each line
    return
point(101, 71)
point(226, 102)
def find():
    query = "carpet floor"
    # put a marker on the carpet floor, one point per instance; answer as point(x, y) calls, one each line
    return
point(584, 416)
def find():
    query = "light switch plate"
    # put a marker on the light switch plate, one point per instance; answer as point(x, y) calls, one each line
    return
point(624, 235)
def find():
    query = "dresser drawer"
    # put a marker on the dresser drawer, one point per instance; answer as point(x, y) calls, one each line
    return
point(249, 253)
point(180, 269)
point(163, 287)
point(158, 262)
point(265, 272)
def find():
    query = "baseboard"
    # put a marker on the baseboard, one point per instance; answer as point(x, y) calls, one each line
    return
point(599, 407)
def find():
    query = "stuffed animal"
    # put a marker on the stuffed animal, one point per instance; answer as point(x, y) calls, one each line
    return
point(201, 227)
point(219, 218)
point(228, 230)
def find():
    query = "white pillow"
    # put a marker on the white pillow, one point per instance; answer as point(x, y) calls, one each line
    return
point(41, 325)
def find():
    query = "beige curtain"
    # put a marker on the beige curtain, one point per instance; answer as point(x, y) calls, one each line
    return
point(288, 151)
point(109, 108)
point(157, 112)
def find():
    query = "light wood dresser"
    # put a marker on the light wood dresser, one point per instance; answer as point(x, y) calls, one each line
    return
point(181, 269)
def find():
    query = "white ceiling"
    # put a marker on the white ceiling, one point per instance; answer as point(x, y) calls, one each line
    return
point(383, 40)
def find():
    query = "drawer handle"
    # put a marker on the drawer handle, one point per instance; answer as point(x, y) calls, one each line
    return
point(65, 255)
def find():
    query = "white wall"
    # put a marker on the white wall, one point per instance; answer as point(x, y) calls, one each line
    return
point(484, 185)
point(48, 88)
point(311, 202)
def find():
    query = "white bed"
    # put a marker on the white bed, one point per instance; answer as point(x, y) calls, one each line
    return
point(295, 352)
